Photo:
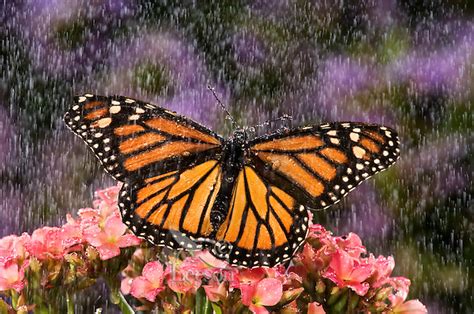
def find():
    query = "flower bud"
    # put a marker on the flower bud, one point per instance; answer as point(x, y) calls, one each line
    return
point(320, 287)
point(290, 295)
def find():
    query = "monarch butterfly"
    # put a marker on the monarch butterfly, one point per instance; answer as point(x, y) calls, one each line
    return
point(247, 201)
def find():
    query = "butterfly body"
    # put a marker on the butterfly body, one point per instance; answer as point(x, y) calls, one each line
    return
point(232, 160)
point(247, 201)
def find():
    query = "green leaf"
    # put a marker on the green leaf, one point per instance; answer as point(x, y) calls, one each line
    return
point(217, 309)
point(4, 307)
point(203, 305)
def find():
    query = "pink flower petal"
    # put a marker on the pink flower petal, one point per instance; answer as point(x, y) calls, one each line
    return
point(315, 308)
point(361, 272)
point(126, 285)
point(150, 295)
point(210, 261)
point(139, 287)
point(352, 244)
point(247, 291)
point(383, 267)
point(114, 227)
point(401, 286)
point(91, 234)
point(258, 309)
point(411, 307)
point(342, 264)
point(182, 284)
point(107, 251)
point(128, 240)
point(12, 277)
point(269, 291)
point(359, 288)
point(253, 275)
point(216, 292)
point(154, 273)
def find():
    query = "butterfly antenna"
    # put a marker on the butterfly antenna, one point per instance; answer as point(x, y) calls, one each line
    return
point(234, 123)
point(284, 117)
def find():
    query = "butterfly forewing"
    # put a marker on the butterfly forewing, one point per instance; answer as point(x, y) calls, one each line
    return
point(135, 140)
point(319, 165)
point(264, 225)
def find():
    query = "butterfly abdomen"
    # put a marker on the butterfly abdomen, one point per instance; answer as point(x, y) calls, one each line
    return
point(232, 161)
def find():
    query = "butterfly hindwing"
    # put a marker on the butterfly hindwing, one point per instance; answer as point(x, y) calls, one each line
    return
point(319, 165)
point(134, 139)
point(173, 209)
point(264, 226)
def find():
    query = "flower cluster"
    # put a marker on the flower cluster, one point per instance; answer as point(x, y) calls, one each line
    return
point(71, 255)
point(330, 274)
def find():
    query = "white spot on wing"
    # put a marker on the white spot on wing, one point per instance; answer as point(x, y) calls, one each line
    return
point(102, 123)
point(354, 136)
point(358, 151)
point(115, 109)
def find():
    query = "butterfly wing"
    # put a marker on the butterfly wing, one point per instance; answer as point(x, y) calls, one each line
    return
point(134, 140)
point(173, 209)
point(264, 225)
point(321, 164)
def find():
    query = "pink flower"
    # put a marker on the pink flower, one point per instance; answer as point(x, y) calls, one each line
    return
point(318, 232)
point(251, 276)
point(13, 247)
point(105, 205)
point(109, 239)
point(400, 287)
point(72, 232)
point(12, 277)
point(50, 242)
point(266, 292)
point(352, 244)
point(107, 196)
point(383, 267)
point(410, 307)
point(182, 283)
point(346, 271)
point(216, 291)
point(203, 264)
point(314, 259)
point(126, 285)
point(150, 283)
point(106, 201)
point(315, 308)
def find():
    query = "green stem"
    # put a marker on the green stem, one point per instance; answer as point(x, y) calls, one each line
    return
point(14, 299)
point(124, 306)
point(70, 303)
point(116, 296)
